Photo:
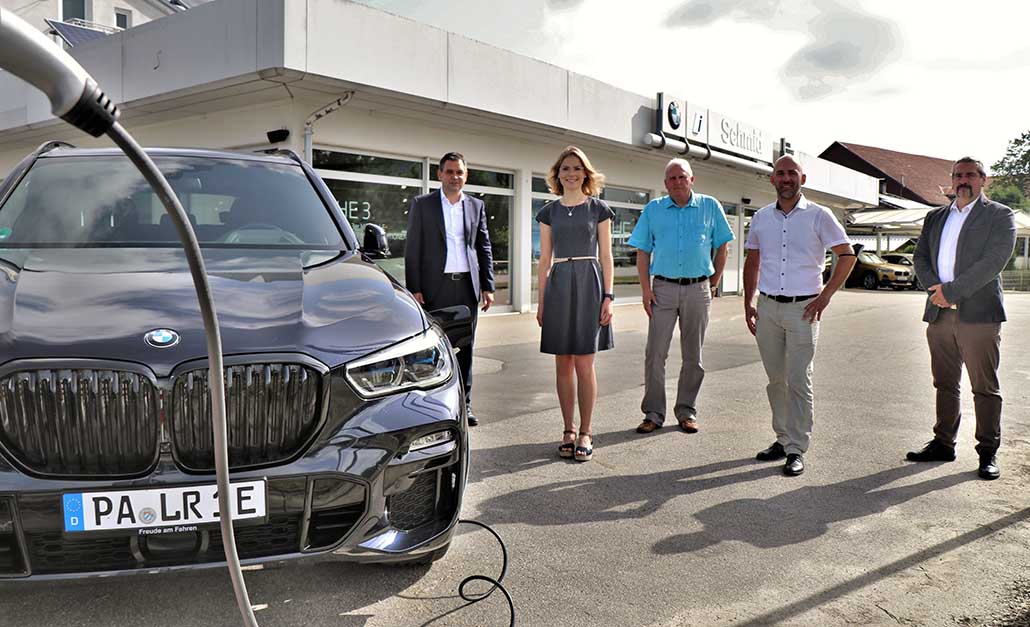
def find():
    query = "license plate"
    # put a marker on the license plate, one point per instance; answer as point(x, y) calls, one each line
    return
point(160, 507)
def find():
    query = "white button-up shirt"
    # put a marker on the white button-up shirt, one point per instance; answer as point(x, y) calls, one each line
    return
point(792, 247)
point(949, 240)
point(454, 224)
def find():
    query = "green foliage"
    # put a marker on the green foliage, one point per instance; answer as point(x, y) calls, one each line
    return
point(1014, 167)
point(1008, 193)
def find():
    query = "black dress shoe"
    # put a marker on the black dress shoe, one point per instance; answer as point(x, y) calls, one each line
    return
point(473, 421)
point(989, 467)
point(772, 453)
point(795, 465)
point(934, 451)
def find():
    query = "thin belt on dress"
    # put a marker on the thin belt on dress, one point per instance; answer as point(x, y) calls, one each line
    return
point(564, 259)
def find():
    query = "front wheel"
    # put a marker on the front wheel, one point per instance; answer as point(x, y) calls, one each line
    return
point(870, 282)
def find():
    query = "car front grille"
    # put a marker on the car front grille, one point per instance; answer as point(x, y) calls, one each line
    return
point(417, 505)
point(80, 421)
point(272, 410)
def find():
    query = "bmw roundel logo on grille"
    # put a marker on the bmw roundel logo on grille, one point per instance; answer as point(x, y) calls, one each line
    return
point(161, 338)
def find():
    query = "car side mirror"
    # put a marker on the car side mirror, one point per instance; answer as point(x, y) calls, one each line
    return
point(456, 323)
point(374, 242)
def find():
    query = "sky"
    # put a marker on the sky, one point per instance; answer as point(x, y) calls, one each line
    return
point(944, 78)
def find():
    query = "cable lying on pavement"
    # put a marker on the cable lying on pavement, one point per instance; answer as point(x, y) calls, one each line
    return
point(495, 583)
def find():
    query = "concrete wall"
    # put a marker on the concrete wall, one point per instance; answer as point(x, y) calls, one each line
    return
point(34, 12)
point(99, 11)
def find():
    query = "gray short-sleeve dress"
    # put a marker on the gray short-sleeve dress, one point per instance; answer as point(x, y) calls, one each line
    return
point(572, 298)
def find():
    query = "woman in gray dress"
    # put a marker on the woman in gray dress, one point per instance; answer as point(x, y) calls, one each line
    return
point(576, 279)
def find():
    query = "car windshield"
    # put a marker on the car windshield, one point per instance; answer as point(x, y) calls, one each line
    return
point(83, 202)
point(872, 258)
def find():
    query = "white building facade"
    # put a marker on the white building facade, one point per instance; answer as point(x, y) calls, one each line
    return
point(223, 74)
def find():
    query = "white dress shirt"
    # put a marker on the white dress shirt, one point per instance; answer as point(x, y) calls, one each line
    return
point(949, 240)
point(454, 224)
point(792, 247)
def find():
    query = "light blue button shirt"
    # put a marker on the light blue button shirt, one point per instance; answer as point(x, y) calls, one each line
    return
point(681, 239)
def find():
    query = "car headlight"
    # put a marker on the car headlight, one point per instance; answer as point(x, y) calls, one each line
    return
point(421, 362)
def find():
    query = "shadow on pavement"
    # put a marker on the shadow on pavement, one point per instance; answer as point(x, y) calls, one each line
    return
point(823, 597)
point(313, 593)
point(504, 460)
point(806, 513)
point(615, 498)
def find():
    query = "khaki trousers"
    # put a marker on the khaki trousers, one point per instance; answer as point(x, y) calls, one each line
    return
point(689, 304)
point(787, 346)
point(977, 346)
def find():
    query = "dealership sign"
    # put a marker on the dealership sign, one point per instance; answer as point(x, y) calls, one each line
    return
point(678, 119)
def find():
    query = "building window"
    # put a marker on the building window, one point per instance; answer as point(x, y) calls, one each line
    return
point(123, 18)
point(627, 204)
point(378, 189)
point(73, 9)
point(367, 164)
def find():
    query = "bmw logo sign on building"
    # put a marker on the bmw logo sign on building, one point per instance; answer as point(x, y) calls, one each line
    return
point(675, 115)
point(161, 338)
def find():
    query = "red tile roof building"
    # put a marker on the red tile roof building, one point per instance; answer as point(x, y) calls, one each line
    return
point(916, 177)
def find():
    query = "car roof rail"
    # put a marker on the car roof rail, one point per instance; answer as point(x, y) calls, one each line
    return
point(284, 152)
point(46, 147)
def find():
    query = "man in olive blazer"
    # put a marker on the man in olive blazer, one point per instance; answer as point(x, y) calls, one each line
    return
point(961, 252)
point(447, 256)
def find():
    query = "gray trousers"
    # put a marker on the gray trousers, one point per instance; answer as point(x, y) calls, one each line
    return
point(954, 343)
point(689, 304)
point(787, 346)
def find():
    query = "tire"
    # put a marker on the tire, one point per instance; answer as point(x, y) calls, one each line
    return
point(870, 282)
point(424, 560)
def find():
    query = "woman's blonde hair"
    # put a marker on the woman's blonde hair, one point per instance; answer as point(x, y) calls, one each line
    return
point(593, 181)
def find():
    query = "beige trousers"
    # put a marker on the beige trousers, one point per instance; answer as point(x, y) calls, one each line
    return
point(787, 346)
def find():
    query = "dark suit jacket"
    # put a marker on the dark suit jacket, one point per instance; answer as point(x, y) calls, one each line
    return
point(985, 245)
point(425, 251)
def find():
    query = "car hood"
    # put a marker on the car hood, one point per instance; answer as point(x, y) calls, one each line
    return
point(99, 303)
point(896, 267)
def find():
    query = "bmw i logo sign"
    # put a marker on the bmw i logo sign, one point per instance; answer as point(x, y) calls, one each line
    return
point(161, 338)
point(675, 116)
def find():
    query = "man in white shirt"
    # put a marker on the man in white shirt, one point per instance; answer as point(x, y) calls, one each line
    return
point(786, 248)
point(960, 255)
point(447, 255)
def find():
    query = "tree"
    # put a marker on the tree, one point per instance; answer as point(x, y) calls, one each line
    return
point(1014, 167)
point(1008, 194)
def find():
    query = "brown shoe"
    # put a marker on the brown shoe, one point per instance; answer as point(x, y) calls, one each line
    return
point(647, 426)
point(689, 424)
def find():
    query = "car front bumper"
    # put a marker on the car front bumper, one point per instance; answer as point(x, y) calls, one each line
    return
point(357, 494)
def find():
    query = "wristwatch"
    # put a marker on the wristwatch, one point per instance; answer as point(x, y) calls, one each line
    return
point(608, 296)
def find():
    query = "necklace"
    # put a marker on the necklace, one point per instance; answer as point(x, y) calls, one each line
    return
point(570, 209)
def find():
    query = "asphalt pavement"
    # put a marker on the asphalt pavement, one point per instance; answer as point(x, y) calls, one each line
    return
point(672, 529)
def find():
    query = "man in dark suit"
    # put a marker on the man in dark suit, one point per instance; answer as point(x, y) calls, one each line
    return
point(447, 256)
point(960, 255)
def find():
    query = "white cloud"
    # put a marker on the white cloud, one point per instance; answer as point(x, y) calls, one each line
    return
point(939, 78)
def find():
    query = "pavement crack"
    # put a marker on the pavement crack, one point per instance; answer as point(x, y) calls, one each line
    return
point(888, 613)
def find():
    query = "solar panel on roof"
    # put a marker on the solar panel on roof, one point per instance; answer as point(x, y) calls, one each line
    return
point(74, 35)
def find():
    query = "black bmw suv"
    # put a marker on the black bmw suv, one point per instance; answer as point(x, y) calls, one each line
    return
point(346, 426)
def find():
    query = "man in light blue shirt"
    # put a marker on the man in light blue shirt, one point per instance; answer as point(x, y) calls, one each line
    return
point(674, 238)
